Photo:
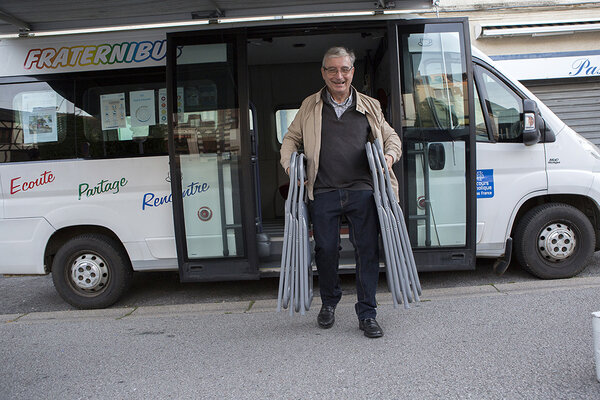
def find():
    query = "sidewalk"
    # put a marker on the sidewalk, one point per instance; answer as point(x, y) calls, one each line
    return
point(526, 340)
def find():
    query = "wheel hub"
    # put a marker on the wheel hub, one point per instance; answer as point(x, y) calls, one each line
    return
point(89, 272)
point(557, 242)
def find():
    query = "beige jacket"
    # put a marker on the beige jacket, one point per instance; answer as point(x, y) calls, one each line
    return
point(306, 129)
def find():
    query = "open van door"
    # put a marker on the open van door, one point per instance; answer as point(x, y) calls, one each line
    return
point(434, 102)
point(209, 154)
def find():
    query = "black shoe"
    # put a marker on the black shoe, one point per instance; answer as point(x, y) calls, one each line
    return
point(371, 328)
point(326, 317)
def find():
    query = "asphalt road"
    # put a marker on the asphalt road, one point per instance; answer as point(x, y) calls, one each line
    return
point(474, 335)
point(522, 340)
point(23, 294)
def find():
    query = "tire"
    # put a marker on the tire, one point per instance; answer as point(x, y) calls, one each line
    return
point(554, 241)
point(91, 271)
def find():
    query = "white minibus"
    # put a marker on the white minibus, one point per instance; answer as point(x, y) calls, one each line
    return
point(159, 150)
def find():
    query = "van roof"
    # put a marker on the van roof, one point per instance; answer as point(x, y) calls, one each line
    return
point(42, 15)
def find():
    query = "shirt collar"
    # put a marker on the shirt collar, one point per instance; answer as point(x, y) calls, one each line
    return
point(345, 103)
point(360, 107)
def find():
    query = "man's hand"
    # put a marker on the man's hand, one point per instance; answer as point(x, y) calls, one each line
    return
point(287, 171)
point(389, 160)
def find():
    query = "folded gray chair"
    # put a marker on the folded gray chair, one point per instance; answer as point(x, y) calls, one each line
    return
point(295, 277)
point(283, 296)
point(306, 274)
point(399, 217)
point(393, 279)
point(402, 277)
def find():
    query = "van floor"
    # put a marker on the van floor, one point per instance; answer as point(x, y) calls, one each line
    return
point(275, 228)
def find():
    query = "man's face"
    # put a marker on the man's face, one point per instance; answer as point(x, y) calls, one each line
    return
point(336, 80)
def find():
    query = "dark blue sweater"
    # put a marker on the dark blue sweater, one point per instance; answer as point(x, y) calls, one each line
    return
point(343, 161)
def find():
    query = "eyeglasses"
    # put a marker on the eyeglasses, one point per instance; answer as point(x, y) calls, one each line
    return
point(334, 71)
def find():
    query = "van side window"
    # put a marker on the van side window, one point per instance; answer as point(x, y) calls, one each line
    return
point(283, 119)
point(124, 120)
point(123, 116)
point(503, 106)
point(481, 131)
point(36, 121)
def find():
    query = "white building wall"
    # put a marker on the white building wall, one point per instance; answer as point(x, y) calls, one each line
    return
point(493, 12)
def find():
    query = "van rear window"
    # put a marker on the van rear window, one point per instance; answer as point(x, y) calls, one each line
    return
point(283, 119)
point(36, 120)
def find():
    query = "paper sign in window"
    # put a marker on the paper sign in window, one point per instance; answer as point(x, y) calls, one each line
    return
point(141, 108)
point(39, 117)
point(112, 110)
point(162, 105)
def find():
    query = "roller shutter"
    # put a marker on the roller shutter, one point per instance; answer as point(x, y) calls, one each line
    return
point(577, 104)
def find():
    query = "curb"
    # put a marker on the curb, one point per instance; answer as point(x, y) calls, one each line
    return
point(270, 305)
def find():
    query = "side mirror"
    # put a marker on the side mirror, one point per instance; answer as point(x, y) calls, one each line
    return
point(532, 121)
point(436, 156)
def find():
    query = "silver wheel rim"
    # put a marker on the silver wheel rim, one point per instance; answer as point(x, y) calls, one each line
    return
point(557, 242)
point(89, 273)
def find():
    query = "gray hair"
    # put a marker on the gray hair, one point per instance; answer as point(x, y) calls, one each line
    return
point(335, 52)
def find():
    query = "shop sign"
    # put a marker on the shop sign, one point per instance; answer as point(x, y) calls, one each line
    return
point(585, 67)
point(550, 65)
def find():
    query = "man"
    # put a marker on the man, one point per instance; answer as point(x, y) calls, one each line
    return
point(334, 125)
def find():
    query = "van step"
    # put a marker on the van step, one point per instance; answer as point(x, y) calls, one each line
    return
point(347, 266)
point(277, 246)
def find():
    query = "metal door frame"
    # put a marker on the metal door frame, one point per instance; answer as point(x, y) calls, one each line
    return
point(213, 269)
point(438, 258)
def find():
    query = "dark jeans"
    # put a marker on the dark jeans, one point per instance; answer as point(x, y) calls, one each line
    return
point(359, 208)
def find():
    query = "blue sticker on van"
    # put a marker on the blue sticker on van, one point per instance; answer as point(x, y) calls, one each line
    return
point(485, 183)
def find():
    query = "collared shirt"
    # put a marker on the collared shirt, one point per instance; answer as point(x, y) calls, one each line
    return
point(339, 108)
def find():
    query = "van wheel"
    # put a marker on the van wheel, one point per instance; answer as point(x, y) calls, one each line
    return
point(554, 240)
point(91, 271)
